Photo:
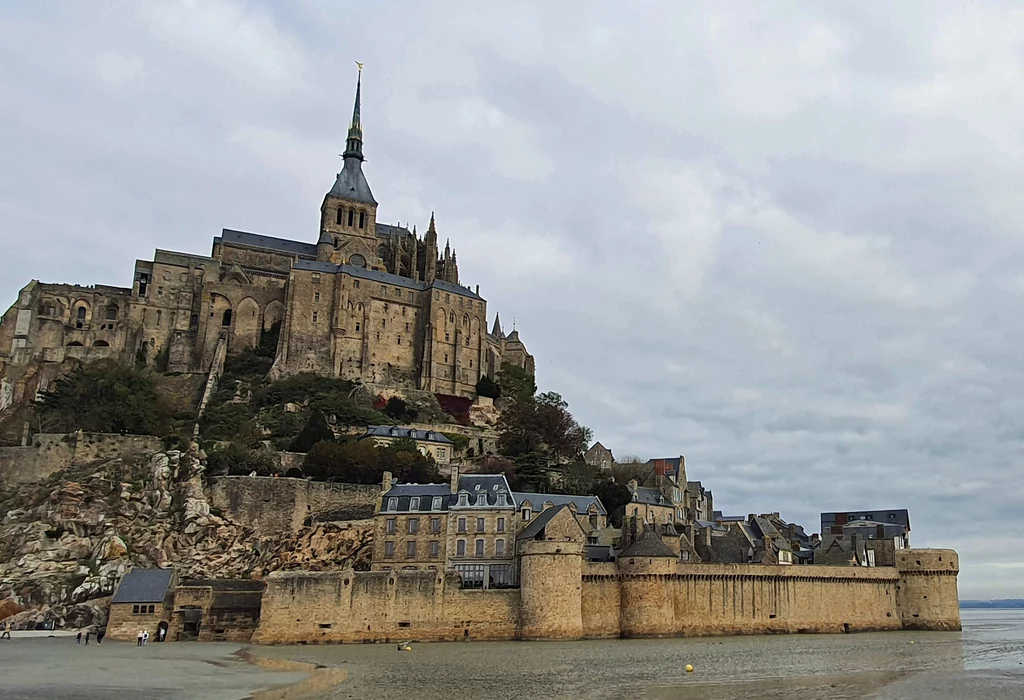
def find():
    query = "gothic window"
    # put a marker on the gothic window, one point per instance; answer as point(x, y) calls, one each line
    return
point(359, 308)
point(451, 317)
point(111, 312)
point(341, 214)
point(357, 260)
point(465, 320)
point(362, 219)
point(80, 317)
point(224, 321)
point(351, 216)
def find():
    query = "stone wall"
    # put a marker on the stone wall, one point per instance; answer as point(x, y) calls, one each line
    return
point(564, 598)
point(349, 606)
point(51, 452)
point(123, 624)
point(283, 505)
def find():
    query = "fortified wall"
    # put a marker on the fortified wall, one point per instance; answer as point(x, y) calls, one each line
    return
point(563, 597)
point(51, 452)
point(283, 504)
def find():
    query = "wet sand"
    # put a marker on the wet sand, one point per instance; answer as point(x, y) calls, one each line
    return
point(38, 668)
point(985, 661)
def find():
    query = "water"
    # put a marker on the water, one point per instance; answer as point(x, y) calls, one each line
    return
point(985, 661)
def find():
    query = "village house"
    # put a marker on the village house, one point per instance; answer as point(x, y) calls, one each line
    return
point(428, 442)
point(863, 538)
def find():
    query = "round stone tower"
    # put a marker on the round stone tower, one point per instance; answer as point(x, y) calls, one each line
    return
point(549, 589)
point(646, 567)
point(926, 595)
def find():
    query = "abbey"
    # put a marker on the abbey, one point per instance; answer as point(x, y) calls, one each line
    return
point(366, 301)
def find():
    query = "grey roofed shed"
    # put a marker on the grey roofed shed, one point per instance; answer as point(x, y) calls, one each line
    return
point(144, 586)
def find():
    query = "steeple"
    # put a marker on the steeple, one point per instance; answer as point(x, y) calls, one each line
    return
point(496, 331)
point(351, 183)
point(354, 147)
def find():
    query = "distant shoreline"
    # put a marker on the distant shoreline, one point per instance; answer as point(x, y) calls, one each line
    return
point(1009, 604)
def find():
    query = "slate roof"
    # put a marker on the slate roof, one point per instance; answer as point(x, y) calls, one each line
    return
point(391, 431)
point(387, 230)
point(351, 183)
point(256, 240)
point(143, 586)
point(650, 496)
point(316, 266)
point(648, 544)
point(456, 289)
point(490, 485)
point(557, 499)
point(538, 523)
point(898, 516)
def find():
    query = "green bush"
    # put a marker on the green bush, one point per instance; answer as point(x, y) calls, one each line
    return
point(488, 387)
point(238, 460)
point(226, 421)
point(316, 430)
point(362, 462)
point(106, 397)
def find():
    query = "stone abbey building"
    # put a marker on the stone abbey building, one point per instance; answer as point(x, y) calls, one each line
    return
point(362, 300)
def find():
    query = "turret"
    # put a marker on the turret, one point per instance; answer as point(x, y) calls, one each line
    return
point(430, 244)
point(551, 604)
point(926, 595)
point(647, 608)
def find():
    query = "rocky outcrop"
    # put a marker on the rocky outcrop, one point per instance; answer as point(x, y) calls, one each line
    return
point(66, 542)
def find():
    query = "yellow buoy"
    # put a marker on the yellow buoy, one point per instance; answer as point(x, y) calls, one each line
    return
point(408, 648)
point(911, 641)
point(689, 668)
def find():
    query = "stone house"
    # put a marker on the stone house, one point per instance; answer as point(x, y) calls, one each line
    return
point(216, 610)
point(429, 442)
point(468, 525)
point(861, 543)
point(143, 601)
point(599, 456)
point(899, 517)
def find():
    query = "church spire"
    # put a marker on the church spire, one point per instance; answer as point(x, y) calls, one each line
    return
point(354, 145)
point(496, 331)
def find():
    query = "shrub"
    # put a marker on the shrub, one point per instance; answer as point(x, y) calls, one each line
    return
point(106, 397)
point(316, 430)
point(238, 460)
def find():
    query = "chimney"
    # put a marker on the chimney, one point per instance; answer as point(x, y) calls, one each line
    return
point(455, 479)
point(385, 484)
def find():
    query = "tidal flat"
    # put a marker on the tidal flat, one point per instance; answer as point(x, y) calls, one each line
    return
point(986, 660)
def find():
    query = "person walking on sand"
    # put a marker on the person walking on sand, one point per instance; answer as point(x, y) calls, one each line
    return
point(145, 638)
point(7, 631)
point(138, 639)
point(100, 635)
point(87, 633)
point(78, 639)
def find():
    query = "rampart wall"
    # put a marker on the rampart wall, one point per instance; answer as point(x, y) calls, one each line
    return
point(51, 452)
point(384, 606)
point(631, 598)
point(282, 504)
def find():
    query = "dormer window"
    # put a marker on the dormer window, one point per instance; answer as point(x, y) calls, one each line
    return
point(527, 514)
point(392, 504)
point(414, 503)
point(501, 499)
point(436, 504)
point(463, 499)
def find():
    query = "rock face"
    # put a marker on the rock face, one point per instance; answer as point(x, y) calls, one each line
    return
point(66, 542)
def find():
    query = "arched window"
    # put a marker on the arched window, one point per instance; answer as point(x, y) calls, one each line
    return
point(226, 319)
point(451, 317)
point(159, 315)
point(351, 216)
point(381, 251)
point(111, 312)
point(362, 219)
point(357, 260)
point(465, 320)
point(341, 215)
point(80, 317)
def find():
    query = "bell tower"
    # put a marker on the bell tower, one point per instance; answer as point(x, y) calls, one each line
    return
point(349, 213)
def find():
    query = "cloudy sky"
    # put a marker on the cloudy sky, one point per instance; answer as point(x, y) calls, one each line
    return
point(782, 239)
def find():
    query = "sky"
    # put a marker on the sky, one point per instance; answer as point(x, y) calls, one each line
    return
point(781, 239)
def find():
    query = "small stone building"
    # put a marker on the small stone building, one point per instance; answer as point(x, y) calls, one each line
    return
point(142, 601)
point(599, 456)
point(429, 442)
point(216, 610)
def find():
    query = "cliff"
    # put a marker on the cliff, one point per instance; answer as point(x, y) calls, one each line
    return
point(66, 540)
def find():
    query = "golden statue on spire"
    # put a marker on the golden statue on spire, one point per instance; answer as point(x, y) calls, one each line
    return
point(360, 66)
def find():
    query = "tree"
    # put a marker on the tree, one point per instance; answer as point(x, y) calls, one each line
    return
point(516, 383)
point(624, 472)
point(538, 434)
point(238, 460)
point(614, 496)
point(316, 430)
point(106, 397)
point(496, 464)
point(487, 387)
point(362, 462)
point(396, 408)
point(579, 478)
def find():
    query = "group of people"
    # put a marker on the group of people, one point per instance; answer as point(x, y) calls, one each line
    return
point(88, 633)
point(142, 638)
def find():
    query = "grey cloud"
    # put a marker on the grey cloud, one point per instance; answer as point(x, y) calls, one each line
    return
point(776, 240)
